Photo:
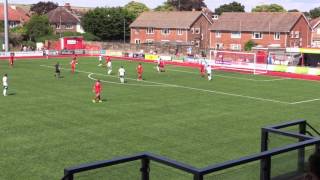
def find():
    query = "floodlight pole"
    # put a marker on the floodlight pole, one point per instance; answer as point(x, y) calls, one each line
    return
point(6, 32)
point(124, 30)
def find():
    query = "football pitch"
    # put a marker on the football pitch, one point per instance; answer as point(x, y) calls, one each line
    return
point(48, 124)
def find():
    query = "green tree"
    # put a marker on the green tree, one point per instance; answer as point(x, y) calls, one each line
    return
point(136, 8)
point(1, 26)
point(231, 7)
point(42, 8)
point(314, 13)
point(108, 23)
point(293, 10)
point(165, 7)
point(187, 5)
point(37, 27)
point(249, 45)
point(269, 8)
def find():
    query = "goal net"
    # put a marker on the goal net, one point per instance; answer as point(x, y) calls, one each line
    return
point(239, 61)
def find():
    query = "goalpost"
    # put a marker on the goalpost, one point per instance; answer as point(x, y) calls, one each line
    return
point(239, 61)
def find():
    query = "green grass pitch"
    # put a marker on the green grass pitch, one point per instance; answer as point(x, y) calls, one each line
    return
point(47, 124)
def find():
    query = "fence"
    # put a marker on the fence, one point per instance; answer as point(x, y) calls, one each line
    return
point(277, 161)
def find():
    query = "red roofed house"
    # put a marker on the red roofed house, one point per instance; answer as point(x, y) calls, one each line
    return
point(16, 16)
point(315, 24)
point(181, 27)
point(65, 19)
point(278, 30)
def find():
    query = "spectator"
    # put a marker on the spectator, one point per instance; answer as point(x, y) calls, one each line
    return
point(314, 167)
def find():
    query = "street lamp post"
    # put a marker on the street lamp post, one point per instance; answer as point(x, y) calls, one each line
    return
point(6, 31)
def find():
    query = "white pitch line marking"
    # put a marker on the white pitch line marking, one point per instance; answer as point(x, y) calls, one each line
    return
point(198, 89)
point(126, 84)
point(233, 77)
point(306, 101)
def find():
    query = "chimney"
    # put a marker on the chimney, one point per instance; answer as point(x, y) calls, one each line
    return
point(67, 6)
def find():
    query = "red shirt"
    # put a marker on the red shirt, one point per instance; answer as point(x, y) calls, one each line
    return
point(161, 64)
point(108, 59)
point(11, 58)
point(140, 69)
point(97, 87)
point(73, 62)
point(202, 68)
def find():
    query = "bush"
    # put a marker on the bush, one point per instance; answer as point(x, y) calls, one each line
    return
point(249, 45)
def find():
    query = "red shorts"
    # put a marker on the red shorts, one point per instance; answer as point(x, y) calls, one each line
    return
point(98, 93)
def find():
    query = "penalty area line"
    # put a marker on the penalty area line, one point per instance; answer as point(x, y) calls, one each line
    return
point(233, 77)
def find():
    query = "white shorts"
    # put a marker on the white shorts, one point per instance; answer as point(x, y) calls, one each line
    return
point(109, 65)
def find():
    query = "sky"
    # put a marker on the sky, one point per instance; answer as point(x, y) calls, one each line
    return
point(302, 5)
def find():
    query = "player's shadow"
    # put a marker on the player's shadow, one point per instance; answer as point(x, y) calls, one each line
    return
point(12, 94)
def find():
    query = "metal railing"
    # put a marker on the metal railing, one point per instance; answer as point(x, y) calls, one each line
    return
point(264, 157)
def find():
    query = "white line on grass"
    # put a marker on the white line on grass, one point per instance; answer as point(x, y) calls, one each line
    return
point(233, 77)
point(126, 84)
point(190, 88)
point(306, 101)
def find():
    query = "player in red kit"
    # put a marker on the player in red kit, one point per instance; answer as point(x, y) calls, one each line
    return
point(73, 63)
point(161, 66)
point(11, 59)
point(97, 88)
point(140, 71)
point(202, 70)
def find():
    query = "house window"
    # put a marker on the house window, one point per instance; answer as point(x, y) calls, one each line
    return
point(192, 42)
point(235, 47)
point(179, 31)
point(192, 30)
point(58, 26)
point(235, 35)
point(219, 46)
point(197, 44)
point(69, 26)
point(150, 30)
point(256, 35)
point(137, 41)
point(318, 31)
point(149, 41)
point(296, 34)
point(165, 31)
point(215, 17)
point(218, 34)
point(197, 30)
point(276, 36)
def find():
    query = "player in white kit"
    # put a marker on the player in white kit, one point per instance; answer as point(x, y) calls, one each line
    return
point(122, 73)
point(209, 72)
point(100, 60)
point(5, 84)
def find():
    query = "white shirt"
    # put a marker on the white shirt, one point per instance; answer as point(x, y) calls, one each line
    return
point(100, 58)
point(209, 69)
point(122, 72)
point(5, 81)
point(109, 64)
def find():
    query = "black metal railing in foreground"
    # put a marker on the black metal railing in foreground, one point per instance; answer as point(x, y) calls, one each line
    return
point(265, 157)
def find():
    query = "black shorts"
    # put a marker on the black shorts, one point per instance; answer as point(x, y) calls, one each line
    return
point(5, 87)
point(57, 71)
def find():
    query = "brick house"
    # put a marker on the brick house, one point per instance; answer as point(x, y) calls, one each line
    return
point(315, 24)
point(65, 19)
point(277, 30)
point(16, 16)
point(181, 27)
